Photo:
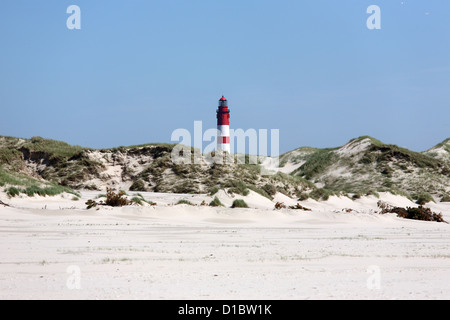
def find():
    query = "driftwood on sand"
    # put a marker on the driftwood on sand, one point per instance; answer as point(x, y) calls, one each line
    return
point(3, 204)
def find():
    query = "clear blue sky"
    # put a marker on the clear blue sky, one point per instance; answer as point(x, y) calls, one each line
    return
point(139, 69)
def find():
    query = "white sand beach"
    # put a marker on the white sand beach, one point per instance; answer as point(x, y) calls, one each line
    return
point(53, 248)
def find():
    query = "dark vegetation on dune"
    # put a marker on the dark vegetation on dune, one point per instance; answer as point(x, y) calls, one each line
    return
point(420, 213)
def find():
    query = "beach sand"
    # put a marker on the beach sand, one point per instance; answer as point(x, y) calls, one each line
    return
point(53, 248)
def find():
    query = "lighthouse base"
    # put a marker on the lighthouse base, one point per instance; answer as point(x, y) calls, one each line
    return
point(224, 147)
point(223, 138)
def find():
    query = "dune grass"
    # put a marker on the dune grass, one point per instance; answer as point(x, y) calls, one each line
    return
point(49, 190)
point(239, 203)
point(317, 164)
point(423, 198)
point(10, 157)
point(214, 190)
point(16, 184)
point(321, 194)
point(140, 200)
point(168, 146)
point(444, 144)
point(16, 179)
point(236, 187)
point(13, 192)
point(216, 203)
point(184, 201)
point(53, 147)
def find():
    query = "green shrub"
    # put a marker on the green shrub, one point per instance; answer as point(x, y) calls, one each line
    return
point(138, 185)
point(187, 186)
point(239, 203)
point(423, 198)
point(184, 201)
point(137, 200)
point(270, 189)
point(445, 198)
point(368, 158)
point(236, 187)
point(216, 203)
point(12, 192)
point(303, 196)
point(321, 194)
point(388, 183)
point(47, 191)
point(31, 191)
point(10, 157)
point(53, 147)
point(214, 190)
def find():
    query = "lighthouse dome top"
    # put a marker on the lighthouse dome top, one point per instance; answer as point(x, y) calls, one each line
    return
point(223, 99)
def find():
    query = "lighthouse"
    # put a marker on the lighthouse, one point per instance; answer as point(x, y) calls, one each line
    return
point(223, 126)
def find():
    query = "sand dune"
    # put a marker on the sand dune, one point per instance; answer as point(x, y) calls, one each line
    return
point(49, 245)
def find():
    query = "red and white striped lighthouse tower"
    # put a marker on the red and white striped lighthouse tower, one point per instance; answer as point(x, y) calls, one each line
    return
point(223, 126)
